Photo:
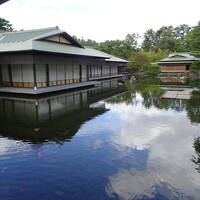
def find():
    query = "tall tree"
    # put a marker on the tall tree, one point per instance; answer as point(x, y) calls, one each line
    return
point(181, 31)
point(180, 34)
point(149, 41)
point(5, 25)
point(193, 38)
point(119, 48)
point(132, 40)
point(165, 38)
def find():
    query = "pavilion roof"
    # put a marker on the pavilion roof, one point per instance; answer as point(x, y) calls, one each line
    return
point(34, 40)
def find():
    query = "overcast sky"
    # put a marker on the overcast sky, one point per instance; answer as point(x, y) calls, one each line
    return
point(100, 19)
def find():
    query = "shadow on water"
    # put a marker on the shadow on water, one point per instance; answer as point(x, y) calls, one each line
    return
point(53, 118)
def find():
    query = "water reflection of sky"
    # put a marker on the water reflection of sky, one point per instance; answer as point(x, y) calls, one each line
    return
point(129, 152)
point(168, 137)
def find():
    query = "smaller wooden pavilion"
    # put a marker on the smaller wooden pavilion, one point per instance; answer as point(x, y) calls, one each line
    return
point(176, 65)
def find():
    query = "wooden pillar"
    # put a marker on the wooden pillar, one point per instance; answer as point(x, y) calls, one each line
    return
point(1, 79)
point(47, 74)
point(34, 76)
point(101, 70)
point(110, 70)
point(10, 74)
point(65, 74)
point(91, 71)
point(73, 71)
point(80, 73)
point(87, 72)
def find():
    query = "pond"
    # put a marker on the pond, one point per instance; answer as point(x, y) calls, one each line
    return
point(101, 143)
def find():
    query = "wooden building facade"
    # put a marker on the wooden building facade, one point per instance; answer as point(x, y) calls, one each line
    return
point(176, 66)
point(50, 57)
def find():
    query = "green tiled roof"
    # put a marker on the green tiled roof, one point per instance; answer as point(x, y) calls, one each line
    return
point(179, 58)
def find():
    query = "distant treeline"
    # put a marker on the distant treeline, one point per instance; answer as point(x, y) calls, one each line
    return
point(155, 46)
point(182, 38)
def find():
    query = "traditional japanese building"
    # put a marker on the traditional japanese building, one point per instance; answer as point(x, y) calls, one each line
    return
point(47, 60)
point(175, 66)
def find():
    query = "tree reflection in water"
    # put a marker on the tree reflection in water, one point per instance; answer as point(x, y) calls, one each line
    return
point(193, 107)
point(196, 157)
point(151, 93)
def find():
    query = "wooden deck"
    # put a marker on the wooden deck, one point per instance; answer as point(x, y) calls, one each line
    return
point(177, 94)
point(15, 90)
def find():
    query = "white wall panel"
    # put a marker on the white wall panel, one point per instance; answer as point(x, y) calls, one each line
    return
point(60, 72)
point(5, 75)
point(41, 73)
point(52, 73)
point(84, 72)
point(69, 72)
point(16, 73)
point(76, 72)
point(27, 73)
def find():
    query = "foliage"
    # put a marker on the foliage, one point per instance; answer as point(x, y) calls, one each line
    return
point(149, 81)
point(137, 61)
point(193, 82)
point(5, 25)
point(155, 45)
point(193, 107)
point(181, 32)
point(152, 69)
point(166, 38)
point(89, 43)
point(141, 62)
point(132, 40)
point(193, 38)
point(149, 42)
point(195, 66)
point(126, 97)
point(117, 48)
point(157, 56)
point(196, 158)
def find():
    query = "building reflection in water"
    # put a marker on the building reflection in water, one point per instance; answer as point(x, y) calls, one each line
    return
point(54, 118)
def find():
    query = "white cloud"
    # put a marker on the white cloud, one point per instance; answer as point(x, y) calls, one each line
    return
point(100, 20)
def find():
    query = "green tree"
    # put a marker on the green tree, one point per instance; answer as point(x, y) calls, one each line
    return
point(5, 25)
point(157, 56)
point(193, 38)
point(181, 32)
point(151, 69)
point(88, 42)
point(132, 40)
point(195, 67)
point(149, 42)
point(137, 61)
point(165, 38)
point(119, 48)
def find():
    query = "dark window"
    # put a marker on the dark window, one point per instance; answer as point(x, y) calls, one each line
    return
point(187, 67)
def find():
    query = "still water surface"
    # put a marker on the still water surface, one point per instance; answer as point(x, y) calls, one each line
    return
point(99, 144)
